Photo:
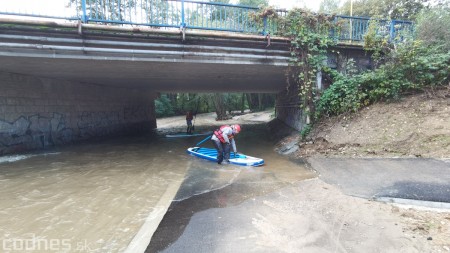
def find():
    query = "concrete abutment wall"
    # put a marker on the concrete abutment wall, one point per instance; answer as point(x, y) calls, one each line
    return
point(288, 110)
point(37, 112)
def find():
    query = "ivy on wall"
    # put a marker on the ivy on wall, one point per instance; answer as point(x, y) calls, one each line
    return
point(310, 41)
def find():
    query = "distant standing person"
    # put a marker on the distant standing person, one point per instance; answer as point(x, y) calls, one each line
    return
point(189, 118)
point(222, 139)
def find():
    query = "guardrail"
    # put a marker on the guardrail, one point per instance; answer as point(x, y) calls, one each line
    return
point(190, 14)
point(353, 29)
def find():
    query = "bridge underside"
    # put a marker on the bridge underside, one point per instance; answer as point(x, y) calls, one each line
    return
point(158, 60)
point(157, 76)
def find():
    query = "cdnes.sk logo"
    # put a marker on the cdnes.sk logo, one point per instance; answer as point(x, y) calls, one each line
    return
point(43, 244)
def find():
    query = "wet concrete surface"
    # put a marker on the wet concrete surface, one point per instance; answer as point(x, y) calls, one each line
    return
point(232, 209)
point(207, 188)
point(410, 178)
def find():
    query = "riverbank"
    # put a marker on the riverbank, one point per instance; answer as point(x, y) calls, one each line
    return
point(204, 121)
point(416, 126)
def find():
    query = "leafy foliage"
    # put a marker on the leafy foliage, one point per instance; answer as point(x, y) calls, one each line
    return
point(310, 40)
point(390, 9)
point(163, 107)
point(407, 66)
point(411, 67)
point(305, 131)
point(329, 6)
point(221, 103)
point(433, 27)
point(376, 43)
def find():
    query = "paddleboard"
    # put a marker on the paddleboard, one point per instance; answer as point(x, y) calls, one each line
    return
point(239, 159)
point(185, 135)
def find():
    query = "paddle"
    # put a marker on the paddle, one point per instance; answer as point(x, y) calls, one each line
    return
point(195, 114)
point(207, 138)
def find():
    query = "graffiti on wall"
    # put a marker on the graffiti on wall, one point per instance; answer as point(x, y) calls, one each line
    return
point(92, 124)
point(31, 132)
point(37, 131)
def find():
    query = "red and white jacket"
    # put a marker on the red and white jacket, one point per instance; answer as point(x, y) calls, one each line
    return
point(225, 135)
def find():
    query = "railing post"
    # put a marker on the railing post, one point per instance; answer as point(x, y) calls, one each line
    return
point(120, 10)
point(264, 32)
point(83, 8)
point(183, 24)
point(333, 30)
point(392, 31)
point(351, 29)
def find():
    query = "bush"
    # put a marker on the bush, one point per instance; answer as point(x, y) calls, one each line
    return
point(410, 67)
point(305, 131)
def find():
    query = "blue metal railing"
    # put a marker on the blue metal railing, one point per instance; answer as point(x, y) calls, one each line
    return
point(190, 14)
point(355, 28)
point(175, 13)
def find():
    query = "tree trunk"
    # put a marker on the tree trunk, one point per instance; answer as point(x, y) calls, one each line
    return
point(220, 106)
point(252, 100)
point(243, 103)
point(260, 106)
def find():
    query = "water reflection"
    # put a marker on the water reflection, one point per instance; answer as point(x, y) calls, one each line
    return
point(96, 195)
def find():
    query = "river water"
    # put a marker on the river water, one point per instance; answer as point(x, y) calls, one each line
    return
point(95, 197)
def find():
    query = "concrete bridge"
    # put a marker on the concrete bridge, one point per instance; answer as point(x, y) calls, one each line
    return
point(66, 82)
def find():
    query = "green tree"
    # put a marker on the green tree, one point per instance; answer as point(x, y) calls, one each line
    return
point(219, 104)
point(159, 12)
point(163, 106)
point(154, 12)
point(329, 6)
point(407, 9)
point(104, 9)
point(433, 26)
point(391, 9)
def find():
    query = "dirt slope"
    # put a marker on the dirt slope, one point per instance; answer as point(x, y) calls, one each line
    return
point(416, 126)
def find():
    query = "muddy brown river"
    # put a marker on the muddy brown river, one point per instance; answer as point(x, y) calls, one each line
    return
point(96, 197)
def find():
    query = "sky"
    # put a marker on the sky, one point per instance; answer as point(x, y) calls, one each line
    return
point(47, 7)
point(289, 4)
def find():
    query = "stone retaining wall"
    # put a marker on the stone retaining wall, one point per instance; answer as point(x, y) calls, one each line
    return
point(36, 112)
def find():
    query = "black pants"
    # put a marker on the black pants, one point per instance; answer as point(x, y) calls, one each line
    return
point(223, 151)
point(190, 127)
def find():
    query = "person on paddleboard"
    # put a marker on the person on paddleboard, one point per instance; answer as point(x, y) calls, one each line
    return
point(222, 139)
point(189, 118)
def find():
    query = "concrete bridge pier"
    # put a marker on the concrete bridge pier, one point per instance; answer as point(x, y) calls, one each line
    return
point(288, 109)
point(343, 58)
point(37, 112)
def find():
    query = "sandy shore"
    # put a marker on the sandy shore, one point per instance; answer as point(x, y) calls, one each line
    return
point(205, 120)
